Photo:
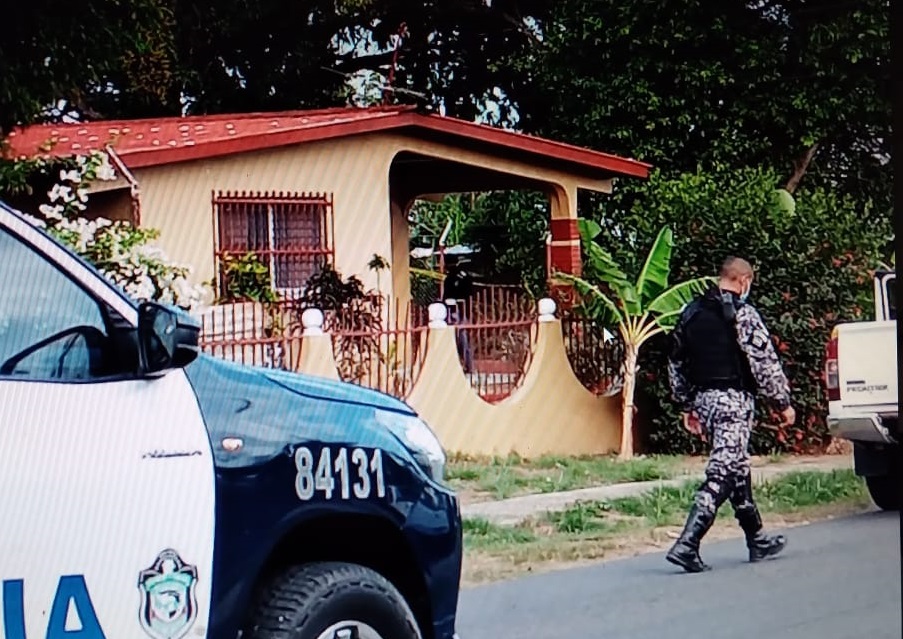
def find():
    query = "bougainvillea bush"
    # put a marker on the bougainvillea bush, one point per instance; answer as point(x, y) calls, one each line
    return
point(124, 253)
point(814, 258)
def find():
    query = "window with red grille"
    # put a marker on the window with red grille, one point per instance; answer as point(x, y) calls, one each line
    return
point(290, 233)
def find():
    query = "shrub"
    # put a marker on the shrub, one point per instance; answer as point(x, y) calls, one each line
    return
point(814, 265)
point(125, 254)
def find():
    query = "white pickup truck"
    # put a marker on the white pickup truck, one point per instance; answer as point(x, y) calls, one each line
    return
point(861, 381)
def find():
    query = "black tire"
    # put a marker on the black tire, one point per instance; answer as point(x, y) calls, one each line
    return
point(305, 601)
point(885, 491)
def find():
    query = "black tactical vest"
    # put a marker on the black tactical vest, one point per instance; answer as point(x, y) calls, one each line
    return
point(707, 339)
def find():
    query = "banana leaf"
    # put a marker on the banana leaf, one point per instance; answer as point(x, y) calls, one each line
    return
point(597, 304)
point(653, 278)
point(601, 266)
point(669, 304)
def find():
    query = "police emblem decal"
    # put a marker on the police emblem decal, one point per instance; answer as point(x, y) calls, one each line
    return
point(168, 601)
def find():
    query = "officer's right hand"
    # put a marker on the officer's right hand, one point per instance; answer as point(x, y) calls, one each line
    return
point(789, 416)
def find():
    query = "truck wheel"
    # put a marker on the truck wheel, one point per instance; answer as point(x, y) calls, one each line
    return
point(885, 491)
point(332, 601)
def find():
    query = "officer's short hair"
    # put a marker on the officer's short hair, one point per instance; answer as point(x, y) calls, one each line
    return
point(733, 268)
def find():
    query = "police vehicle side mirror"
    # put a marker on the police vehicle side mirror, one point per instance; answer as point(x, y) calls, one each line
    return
point(167, 339)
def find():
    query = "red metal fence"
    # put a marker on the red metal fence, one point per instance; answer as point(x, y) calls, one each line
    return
point(496, 331)
point(595, 354)
point(383, 351)
point(386, 355)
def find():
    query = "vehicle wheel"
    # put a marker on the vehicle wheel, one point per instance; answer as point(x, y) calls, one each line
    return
point(885, 491)
point(332, 601)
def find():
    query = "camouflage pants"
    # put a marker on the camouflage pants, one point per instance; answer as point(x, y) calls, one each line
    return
point(727, 417)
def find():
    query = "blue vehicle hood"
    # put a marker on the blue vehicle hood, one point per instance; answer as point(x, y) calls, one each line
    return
point(334, 391)
point(271, 409)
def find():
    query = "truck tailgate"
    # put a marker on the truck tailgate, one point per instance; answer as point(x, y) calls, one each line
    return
point(867, 365)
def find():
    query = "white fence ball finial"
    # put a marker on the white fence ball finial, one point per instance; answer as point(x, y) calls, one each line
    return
point(438, 314)
point(312, 321)
point(546, 308)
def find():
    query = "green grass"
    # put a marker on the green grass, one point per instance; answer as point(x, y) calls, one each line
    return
point(788, 493)
point(479, 533)
point(589, 530)
point(503, 477)
point(580, 518)
point(810, 488)
point(668, 506)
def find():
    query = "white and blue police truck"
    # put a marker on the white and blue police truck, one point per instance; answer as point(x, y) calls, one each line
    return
point(151, 491)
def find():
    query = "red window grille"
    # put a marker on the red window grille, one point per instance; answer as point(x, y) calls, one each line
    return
point(292, 233)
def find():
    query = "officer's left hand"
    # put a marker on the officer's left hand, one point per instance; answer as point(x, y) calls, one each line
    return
point(691, 423)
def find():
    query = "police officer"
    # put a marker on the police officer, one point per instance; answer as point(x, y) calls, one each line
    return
point(721, 355)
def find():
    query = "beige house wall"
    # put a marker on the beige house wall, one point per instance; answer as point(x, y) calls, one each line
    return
point(176, 199)
point(369, 217)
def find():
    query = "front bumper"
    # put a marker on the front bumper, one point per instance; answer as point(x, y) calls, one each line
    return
point(860, 427)
point(434, 531)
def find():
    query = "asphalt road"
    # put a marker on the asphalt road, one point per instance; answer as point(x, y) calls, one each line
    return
point(835, 580)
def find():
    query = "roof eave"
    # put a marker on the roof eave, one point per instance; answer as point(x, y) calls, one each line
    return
point(593, 163)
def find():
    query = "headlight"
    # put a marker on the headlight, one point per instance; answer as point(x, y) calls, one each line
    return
point(419, 439)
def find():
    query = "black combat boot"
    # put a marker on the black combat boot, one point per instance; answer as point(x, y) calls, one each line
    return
point(760, 545)
point(685, 552)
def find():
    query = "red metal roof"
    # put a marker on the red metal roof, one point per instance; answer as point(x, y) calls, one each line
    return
point(151, 142)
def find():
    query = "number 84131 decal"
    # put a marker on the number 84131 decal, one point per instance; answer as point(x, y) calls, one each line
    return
point(339, 473)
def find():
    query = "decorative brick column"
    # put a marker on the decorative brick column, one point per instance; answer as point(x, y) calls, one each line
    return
point(566, 247)
point(564, 256)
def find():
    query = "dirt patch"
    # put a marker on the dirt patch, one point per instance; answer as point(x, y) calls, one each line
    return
point(554, 552)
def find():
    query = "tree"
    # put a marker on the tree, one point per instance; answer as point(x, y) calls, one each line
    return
point(640, 309)
point(802, 87)
point(70, 57)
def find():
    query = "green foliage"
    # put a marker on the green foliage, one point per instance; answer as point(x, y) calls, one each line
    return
point(649, 295)
point(246, 278)
point(70, 53)
point(640, 310)
point(813, 270)
point(351, 315)
point(507, 228)
point(512, 476)
point(327, 291)
point(713, 83)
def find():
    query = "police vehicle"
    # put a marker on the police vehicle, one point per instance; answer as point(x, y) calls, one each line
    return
point(150, 491)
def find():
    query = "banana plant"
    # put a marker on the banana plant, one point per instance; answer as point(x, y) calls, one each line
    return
point(640, 309)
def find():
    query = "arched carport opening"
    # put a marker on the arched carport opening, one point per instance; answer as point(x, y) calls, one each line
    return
point(496, 326)
point(414, 176)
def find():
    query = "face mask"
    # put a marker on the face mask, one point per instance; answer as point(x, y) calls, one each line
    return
point(745, 293)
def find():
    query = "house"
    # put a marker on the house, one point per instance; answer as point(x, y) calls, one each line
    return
point(303, 187)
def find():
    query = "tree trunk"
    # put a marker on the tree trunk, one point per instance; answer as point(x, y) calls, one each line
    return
point(800, 167)
point(630, 362)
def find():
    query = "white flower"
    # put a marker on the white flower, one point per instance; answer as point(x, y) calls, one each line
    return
point(52, 211)
point(70, 176)
point(56, 192)
point(104, 171)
